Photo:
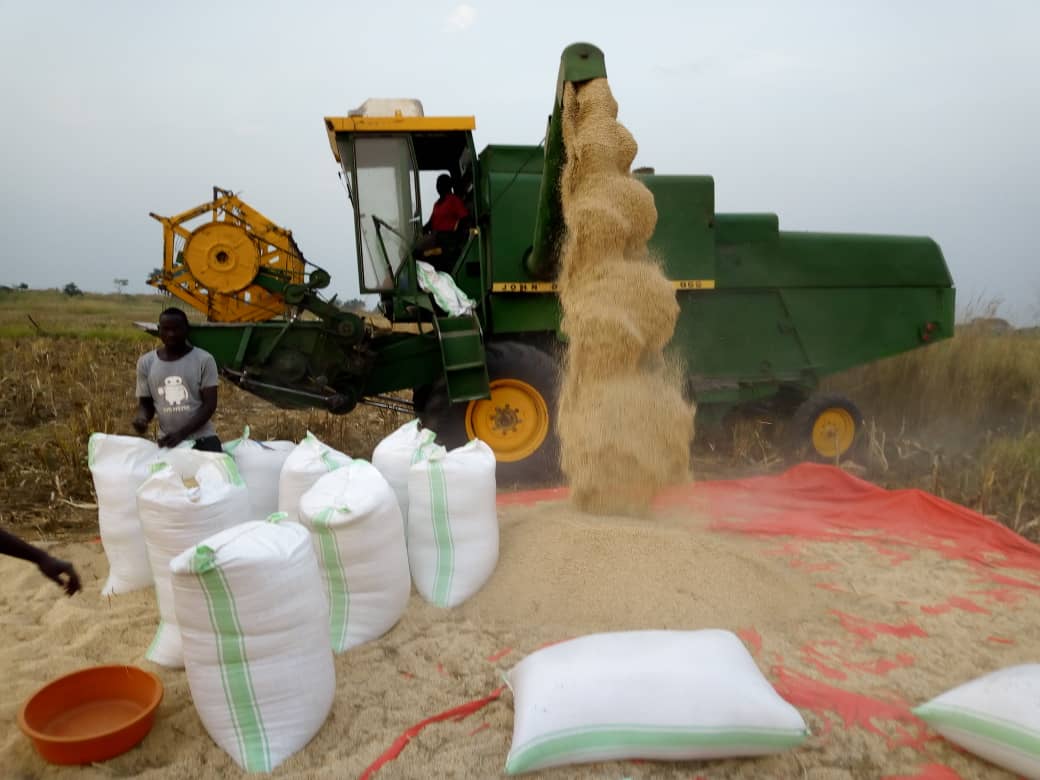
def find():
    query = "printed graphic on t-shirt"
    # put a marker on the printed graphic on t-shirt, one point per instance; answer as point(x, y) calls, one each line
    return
point(173, 391)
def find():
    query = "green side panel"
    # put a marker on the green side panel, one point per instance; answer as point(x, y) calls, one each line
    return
point(738, 336)
point(525, 312)
point(797, 336)
point(754, 258)
point(843, 328)
point(684, 239)
point(511, 178)
point(404, 361)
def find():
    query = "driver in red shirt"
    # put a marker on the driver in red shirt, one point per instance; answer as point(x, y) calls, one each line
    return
point(446, 218)
point(449, 209)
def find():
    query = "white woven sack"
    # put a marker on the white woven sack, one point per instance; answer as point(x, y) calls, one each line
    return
point(175, 516)
point(659, 695)
point(310, 460)
point(118, 465)
point(452, 522)
point(996, 717)
point(394, 455)
point(256, 640)
point(358, 536)
point(260, 464)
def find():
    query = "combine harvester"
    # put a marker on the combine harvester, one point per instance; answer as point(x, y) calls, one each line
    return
point(765, 314)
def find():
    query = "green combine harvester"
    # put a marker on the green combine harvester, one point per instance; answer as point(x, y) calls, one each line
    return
point(765, 314)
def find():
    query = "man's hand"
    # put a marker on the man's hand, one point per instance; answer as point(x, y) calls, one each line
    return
point(171, 440)
point(145, 413)
point(54, 569)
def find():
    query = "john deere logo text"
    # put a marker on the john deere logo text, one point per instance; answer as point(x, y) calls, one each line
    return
point(551, 287)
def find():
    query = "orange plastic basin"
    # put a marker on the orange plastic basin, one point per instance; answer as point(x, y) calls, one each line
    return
point(91, 715)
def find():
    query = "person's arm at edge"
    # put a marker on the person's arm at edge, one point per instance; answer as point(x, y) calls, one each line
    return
point(50, 566)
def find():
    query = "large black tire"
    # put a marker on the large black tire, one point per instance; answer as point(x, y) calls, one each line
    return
point(517, 368)
point(826, 428)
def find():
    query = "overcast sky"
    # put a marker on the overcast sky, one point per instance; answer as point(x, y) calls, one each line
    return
point(918, 118)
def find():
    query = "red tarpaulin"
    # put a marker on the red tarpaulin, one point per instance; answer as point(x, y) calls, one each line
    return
point(816, 503)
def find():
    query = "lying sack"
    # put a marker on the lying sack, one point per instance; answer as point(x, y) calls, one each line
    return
point(659, 695)
point(452, 521)
point(310, 460)
point(256, 639)
point(358, 536)
point(260, 464)
point(118, 465)
point(996, 717)
point(179, 507)
point(393, 456)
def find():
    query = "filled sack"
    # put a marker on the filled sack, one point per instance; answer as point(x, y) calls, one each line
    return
point(260, 464)
point(452, 521)
point(996, 717)
point(356, 528)
point(658, 695)
point(118, 465)
point(394, 455)
point(309, 460)
point(179, 506)
point(256, 639)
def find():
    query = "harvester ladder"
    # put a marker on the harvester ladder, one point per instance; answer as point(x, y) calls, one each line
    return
point(462, 352)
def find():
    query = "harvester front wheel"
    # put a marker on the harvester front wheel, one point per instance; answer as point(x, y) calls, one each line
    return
point(516, 422)
point(826, 427)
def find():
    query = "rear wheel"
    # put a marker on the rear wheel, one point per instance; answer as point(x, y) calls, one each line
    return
point(517, 422)
point(826, 427)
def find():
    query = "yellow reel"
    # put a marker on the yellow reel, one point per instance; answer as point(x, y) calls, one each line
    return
point(216, 270)
point(222, 257)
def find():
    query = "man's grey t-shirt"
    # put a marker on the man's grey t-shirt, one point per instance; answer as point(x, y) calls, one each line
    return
point(175, 386)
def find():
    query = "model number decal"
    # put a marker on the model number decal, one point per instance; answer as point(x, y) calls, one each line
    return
point(551, 287)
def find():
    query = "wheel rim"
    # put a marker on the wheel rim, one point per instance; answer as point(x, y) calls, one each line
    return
point(513, 422)
point(833, 432)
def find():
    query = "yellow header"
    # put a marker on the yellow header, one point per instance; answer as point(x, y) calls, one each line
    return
point(393, 124)
point(551, 287)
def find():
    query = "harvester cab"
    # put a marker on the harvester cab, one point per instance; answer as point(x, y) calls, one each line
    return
point(391, 156)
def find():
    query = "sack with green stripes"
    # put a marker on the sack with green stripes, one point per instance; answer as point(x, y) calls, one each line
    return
point(658, 695)
point(260, 464)
point(118, 465)
point(358, 536)
point(452, 521)
point(393, 456)
point(310, 460)
point(995, 716)
point(179, 506)
point(256, 639)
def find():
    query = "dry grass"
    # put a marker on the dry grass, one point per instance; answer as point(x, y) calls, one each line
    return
point(959, 419)
point(78, 378)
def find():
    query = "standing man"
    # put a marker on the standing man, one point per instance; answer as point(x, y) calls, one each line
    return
point(178, 383)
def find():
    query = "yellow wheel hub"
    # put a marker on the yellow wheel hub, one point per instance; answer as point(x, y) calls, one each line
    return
point(833, 432)
point(513, 422)
point(222, 257)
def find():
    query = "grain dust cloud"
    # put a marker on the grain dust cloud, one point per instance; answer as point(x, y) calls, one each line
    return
point(624, 426)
